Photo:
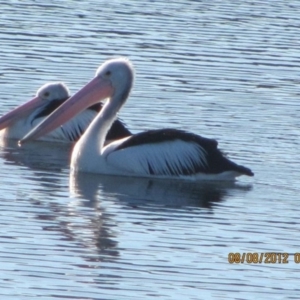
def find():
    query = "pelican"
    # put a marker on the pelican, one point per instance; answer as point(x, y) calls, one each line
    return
point(16, 123)
point(163, 153)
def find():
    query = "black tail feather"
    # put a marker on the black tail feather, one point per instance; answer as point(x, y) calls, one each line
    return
point(244, 170)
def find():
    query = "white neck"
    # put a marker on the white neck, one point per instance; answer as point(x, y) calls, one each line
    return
point(99, 127)
point(89, 148)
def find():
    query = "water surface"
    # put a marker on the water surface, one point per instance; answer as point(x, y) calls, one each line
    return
point(224, 70)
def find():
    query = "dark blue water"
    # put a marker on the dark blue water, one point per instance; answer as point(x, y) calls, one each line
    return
point(225, 70)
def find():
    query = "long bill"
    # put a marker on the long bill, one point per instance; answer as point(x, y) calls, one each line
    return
point(96, 90)
point(21, 111)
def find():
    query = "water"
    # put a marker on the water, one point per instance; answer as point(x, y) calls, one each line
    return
point(224, 70)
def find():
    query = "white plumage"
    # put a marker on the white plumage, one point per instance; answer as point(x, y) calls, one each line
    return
point(166, 158)
point(166, 153)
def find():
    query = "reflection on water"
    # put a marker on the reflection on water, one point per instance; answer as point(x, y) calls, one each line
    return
point(145, 192)
point(36, 154)
point(87, 228)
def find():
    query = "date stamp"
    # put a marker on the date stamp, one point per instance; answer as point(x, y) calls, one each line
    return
point(262, 258)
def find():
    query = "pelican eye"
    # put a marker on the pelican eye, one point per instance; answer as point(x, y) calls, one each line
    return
point(107, 73)
point(46, 94)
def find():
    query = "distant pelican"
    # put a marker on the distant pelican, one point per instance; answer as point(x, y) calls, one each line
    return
point(21, 120)
point(164, 153)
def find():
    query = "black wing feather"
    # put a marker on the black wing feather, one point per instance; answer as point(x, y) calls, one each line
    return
point(216, 161)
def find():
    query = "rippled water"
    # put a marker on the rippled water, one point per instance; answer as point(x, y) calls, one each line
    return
point(227, 70)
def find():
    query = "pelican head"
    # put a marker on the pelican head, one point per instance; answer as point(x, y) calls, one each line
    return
point(53, 91)
point(33, 108)
point(120, 73)
point(113, 80)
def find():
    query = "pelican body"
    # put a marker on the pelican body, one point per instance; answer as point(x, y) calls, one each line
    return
point(16, 123)
point(165, 153)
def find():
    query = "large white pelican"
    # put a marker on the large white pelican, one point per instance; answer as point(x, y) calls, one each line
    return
point(16, 123)
point(165, 153)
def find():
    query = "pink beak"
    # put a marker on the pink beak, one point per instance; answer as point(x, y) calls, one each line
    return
point(93, 92)
point(20, 111)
